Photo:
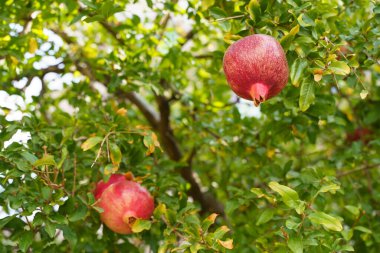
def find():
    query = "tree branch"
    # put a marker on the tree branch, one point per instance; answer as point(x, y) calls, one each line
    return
point(365, 168)
point(145, 108)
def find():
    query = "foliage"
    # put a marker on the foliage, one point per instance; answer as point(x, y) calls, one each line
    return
point(113, 91)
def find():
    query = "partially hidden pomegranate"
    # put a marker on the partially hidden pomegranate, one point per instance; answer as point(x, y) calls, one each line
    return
point(123, 202)
point(360, 134)
point(256, 67)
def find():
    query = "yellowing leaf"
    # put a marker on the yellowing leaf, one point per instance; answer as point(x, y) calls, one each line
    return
point(340, 68)
point(115, 154)
point(45, 160)
point(363, 94)
point(228, 244)
point(209, 221)
point(207, 4)
point(122, 111)
point(329, 188)
point(288, 38)
point(141, 225)
point(151, 142)
point(33, 45)
point(110, 169)
point(270, 153)
point(91, 142)
point(317, 77)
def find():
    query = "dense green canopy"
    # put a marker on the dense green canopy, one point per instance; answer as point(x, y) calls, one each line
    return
point(94, 87)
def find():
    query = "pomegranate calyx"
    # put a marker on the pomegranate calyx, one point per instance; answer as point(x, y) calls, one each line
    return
point(259, 93)
point(129, 218)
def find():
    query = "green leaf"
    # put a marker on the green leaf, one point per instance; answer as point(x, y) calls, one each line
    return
point(89, 4)
point(288, 38)
point(141, 225)
point(91, 142)
point(306, 95)
point(115, 154)
point(29, 157)
point(295, 244)
point(353, 209)
point(69, 235)
point(254, 10)
point(207, 4)
point(347, 248)
point(232, 205)
point(363, 229)
point(305, 21)
point(108, 9)
point(339, 68)
point(5, 220)
point(220, 232)
point(63, 157)
point(77, 18)
point(94, 18)
point(297, 71)
point(289, 196)
point(327, 221)
point(45, 160)
point(26, 239)
point(217, 13)
point(79, 213)
point(258, 192)
point(265, 216)
point(50, 228)
point(293, 222)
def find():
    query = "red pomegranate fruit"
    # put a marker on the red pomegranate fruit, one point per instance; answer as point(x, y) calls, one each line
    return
point(123, 202)
point(360, 134)
point(256, 67)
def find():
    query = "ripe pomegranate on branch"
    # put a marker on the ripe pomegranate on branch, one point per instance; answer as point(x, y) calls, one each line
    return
point(123, 201)
point(256, 67)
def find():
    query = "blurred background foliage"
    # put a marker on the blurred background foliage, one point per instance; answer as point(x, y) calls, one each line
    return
point(97, 87)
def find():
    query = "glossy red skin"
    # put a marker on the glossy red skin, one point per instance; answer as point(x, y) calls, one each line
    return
point(123, 202)
point(256, 67)
point(101, 185)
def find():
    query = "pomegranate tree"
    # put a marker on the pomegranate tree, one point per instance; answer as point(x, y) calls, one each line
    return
point(256, 67)
point(123, 201)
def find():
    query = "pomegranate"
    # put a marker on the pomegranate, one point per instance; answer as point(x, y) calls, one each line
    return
point(360, 134)
point(123, 202)
point(256, 67)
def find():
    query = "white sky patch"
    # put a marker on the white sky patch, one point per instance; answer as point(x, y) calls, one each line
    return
point(54, 38)
point(247, 109)
point(14, 115)
point(19, 84)
point(65, 106)
point(12, 102)
point(34, 89)
point(20, 137)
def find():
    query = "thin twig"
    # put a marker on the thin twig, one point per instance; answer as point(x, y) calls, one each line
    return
point(75, 174)
point(228, 18)
point(368, 167)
